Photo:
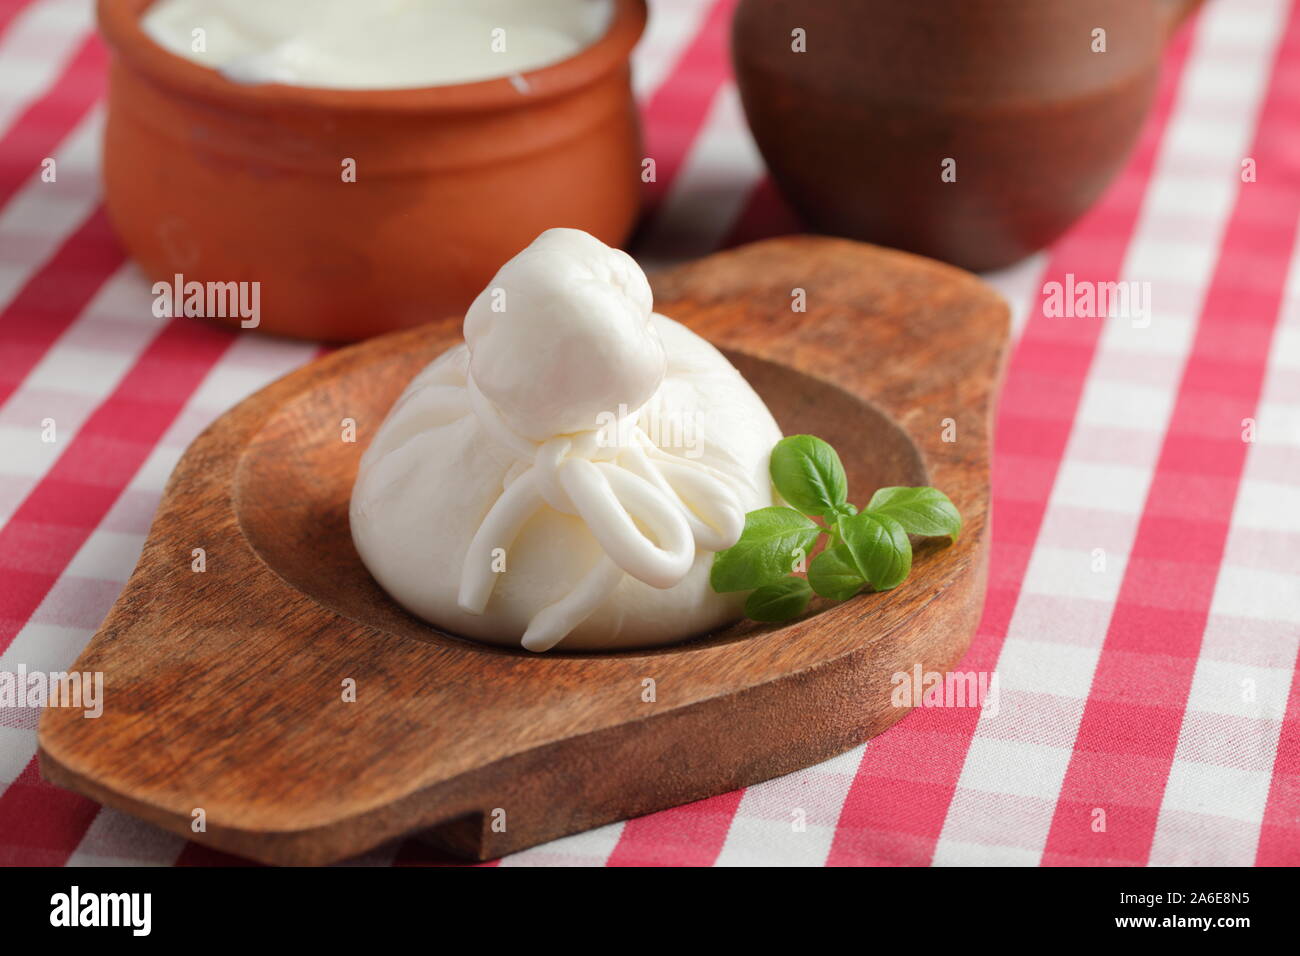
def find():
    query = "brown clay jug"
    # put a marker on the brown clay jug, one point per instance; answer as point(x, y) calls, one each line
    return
point(974, 131)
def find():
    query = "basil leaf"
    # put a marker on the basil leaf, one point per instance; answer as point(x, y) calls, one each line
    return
point(879, 547)
point(808, 474)
point(765, 551)
point(780, 601)
point(833, 573)
point(923, 511)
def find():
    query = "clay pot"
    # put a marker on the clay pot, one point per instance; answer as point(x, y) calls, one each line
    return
point(856, 130)
point(225, 182)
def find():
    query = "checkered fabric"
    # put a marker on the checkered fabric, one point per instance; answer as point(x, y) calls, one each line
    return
point(1143, 612)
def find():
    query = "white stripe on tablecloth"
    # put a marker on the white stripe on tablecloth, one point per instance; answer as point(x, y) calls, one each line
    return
point(1218, 786)
point(710, 192)
point(790, 821)
point(1029, 743)
point(672, 26)
point(35, 48)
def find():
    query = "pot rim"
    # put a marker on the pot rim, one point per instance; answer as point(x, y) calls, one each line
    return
point(119, 23)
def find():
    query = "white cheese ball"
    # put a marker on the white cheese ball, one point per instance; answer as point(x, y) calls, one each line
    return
point(572, 340)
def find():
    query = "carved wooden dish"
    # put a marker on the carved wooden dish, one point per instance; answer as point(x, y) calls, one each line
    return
point(224, 689)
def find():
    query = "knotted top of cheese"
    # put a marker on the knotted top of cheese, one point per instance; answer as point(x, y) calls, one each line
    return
point(561, 338)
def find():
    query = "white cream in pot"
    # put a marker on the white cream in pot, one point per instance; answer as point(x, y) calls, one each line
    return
point(567, 474)
point(375, 44)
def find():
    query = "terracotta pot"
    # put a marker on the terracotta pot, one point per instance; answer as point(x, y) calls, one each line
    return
point(856, 129)
point(225, 182)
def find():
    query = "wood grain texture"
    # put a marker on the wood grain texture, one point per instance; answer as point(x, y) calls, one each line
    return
point(223, 689)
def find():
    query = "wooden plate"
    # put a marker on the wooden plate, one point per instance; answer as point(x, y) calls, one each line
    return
point(224, 690)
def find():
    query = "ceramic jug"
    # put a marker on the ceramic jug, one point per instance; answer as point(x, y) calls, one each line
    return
point(219, 181)
point(973, 131)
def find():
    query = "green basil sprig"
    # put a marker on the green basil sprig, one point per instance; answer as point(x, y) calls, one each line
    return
point(868, 548)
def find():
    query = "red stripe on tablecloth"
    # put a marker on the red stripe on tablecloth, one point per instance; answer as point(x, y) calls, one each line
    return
point(673, 116)
point(1164, 599)
point(1279, 834)
point(53, 298)
point(42, 126)
point(896, 807)
point(690, 835)
point(41, 824)
point(9, 9)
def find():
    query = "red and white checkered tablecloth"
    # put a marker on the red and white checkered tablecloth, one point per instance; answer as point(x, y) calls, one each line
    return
point(1143, 612)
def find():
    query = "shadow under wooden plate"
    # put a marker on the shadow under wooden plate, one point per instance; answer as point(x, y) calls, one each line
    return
point(224, 689)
